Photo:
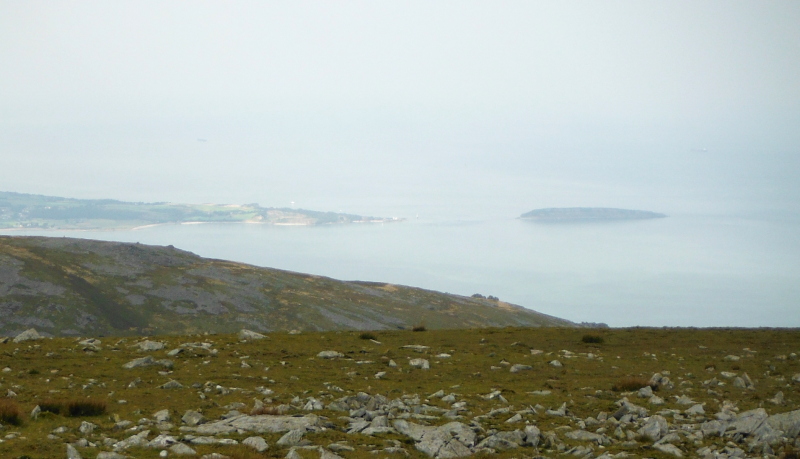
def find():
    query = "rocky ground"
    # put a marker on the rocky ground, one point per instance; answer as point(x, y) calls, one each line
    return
point(449, 393)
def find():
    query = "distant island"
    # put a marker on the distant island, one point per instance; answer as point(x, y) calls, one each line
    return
point(31, 211)
point(584, 214)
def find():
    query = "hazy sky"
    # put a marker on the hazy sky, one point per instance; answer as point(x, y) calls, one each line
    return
point(295, 99)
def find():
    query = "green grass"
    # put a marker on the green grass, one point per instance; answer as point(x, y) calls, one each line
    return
point(287, 364)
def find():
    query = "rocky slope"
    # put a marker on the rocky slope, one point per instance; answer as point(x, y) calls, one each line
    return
point(64, 286)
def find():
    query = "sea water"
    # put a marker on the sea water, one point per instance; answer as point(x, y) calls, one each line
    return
point(690, 269)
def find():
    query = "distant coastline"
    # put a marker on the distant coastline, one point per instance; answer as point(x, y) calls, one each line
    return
point(587, 214)
point(20, 211)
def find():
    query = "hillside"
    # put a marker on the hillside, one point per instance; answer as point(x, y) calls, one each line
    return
point(19, 210)
point(578, 214)
point(64, 286)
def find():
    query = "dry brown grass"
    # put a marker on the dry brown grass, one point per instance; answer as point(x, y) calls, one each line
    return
point(85, 407)
point(51, 406)
point(74, 408)
point(271, 410)
point(10, 413)
point(630, 383)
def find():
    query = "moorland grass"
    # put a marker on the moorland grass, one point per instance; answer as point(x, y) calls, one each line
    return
point(479, 364)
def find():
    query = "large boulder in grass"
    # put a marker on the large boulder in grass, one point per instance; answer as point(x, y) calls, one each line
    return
point(28, 335)
point(246, 335)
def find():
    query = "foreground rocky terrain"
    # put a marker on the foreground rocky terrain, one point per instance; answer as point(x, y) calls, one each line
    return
point(513, 392)
point(64, 286)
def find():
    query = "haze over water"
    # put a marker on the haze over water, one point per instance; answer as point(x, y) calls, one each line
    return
point(457, 116)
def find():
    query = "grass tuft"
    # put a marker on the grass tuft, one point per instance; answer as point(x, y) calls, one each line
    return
point(88, 407)
point(10, 412)
point(271, 410)
point(592, 339)
point(630, 383)
point(367, 335)
point(419, 328)
point(51, 406)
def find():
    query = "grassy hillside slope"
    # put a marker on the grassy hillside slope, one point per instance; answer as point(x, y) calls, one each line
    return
point(64, 286)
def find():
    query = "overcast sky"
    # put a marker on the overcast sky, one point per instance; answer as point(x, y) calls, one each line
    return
point(109, 99)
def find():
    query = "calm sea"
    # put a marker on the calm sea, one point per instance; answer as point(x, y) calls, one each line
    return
point(685, 270)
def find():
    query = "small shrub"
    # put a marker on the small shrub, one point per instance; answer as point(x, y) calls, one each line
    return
point(33, 371)
point(631, 383)
point(51, 406)
point(592, 339)
point(419, 328)
point(367, 335)
point(271, 410)
point(10, 412)
point(79, 408)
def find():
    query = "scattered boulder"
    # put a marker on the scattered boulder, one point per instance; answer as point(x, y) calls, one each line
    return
point(162, 416)
point(582, 435)
point(422, 364)
point(149, 346)
point(257, 424)
point(172, 384)
point(257, 443)
point(519, 367)
point(450, 440)
point(669, 449)
point(416, 347)
point(330, 355)
point(293, 437)
point(180, 449)
point(28, 335)
point(73, 453)
point(148, 362)
point(110, 455)
point(193, 418)
point(246, 335)
point(654, 428)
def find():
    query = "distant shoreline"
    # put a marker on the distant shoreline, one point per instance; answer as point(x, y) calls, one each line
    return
point(588, 214)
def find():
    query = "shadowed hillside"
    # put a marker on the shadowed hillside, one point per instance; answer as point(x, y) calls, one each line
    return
point(64, 286)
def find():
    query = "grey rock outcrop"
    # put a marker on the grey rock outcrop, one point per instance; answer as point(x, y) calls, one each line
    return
point(148, 361)
point(257, 424)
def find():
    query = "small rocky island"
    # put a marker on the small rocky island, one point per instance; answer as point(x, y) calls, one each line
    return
point(584, 214)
